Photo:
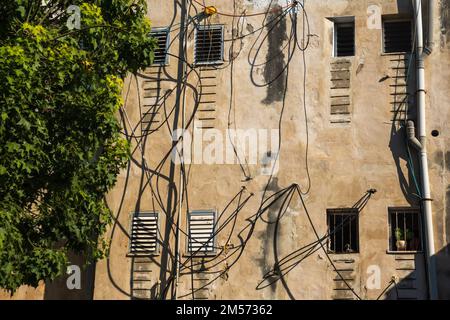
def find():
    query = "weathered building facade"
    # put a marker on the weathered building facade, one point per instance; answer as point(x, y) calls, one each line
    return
point(297, 179)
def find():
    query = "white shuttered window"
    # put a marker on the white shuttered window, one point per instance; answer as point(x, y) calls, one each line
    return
point(162, 39)
point(201, 231)
point(144, 233)
point(208, 45)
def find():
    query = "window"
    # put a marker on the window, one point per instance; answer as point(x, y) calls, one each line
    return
point(209, 45)
point(343, 230)
point(397, 36)
point(201, 231)
point(405, 229)
point(344, 37)
point(162, 38)
point(144, 233)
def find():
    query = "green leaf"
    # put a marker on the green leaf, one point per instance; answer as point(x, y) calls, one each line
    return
point(21, 10)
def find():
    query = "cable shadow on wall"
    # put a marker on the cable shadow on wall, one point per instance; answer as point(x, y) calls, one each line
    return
point(282, 266)
point(398, 143)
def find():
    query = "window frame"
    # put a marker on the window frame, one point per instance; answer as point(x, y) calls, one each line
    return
point(213, 252)
point(349, 211)
point(166, 60)
point(395, 19)
point(343, 21)
point(412, 210)
point(157, 252)
point(209, 27)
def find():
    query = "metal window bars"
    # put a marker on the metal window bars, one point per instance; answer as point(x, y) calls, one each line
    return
point(405, 229)
point(343, 230)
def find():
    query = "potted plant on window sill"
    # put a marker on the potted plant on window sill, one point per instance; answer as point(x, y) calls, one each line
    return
point(401, 241)
point(402, 238)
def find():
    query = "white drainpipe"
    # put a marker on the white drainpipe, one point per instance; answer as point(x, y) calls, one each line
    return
point(430, 40)
point(422, 146)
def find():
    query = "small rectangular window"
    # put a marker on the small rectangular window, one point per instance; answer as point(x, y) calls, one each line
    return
point(397, 36)
point(344, 38)
point(209, 45)
point(201, 238)
point(162, 38)
point(144, 233)
point(343, 230)
point(405, 229)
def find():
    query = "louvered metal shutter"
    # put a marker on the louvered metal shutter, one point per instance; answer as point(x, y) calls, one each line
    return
point(345, 39)
point(201, 231)
point(162, 39)
point(397, 36)
point(209, 45)
point(144, 233)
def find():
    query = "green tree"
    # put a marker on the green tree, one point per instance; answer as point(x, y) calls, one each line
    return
point(60, 143)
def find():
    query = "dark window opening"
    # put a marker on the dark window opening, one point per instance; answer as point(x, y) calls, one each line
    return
point(405, 229)
point(397, 36)
point(209, 45)
point(343, 230)
point(162, 39)
point(344, 39)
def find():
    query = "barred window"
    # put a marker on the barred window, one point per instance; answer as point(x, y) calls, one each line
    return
point(343, 230)
point(405, 229)
point(144, 233)
point(201, 236)
point(209, 44)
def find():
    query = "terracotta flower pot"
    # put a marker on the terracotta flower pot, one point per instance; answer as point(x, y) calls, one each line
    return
point(401, 245)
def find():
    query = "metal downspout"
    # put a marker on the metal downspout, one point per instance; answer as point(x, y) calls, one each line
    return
point(426, 193)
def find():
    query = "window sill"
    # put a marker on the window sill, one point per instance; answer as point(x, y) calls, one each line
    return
point(200, 255)
point(403, 252)
point(342, 253)
point(142, 255)
point(394, 53)
point(208, 64)
point(342, 57)
point(159, 65)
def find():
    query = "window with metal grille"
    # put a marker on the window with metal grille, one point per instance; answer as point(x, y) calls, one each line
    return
point(209, 45)
point(343, 230)
point(397, 36)
point(162, 38)
point(201, 231)
point(144, 233)
point(344, 38)
point(405, 229)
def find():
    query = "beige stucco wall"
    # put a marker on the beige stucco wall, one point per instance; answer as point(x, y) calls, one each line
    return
point(24, 293)
point(345, 160)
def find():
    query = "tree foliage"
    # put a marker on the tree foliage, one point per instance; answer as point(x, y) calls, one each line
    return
point(60, 143)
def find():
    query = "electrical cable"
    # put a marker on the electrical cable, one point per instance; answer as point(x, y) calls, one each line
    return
point(323, 248)
point(293, 4)
point(266, 202)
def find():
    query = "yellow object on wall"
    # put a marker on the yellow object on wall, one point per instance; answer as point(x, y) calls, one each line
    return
point(210, 10)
